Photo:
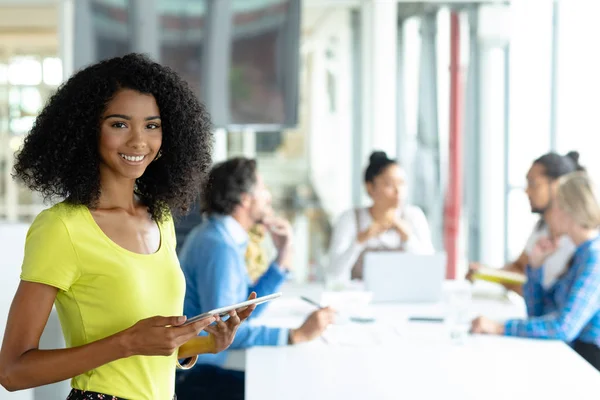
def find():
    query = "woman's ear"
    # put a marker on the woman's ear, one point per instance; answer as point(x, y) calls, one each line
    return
point(370, 189)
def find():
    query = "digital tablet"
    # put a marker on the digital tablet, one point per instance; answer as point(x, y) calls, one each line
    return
point(225, 310)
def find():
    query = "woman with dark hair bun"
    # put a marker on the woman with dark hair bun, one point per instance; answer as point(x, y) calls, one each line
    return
point(542, 181)
point(388, 224)
point(122, 144)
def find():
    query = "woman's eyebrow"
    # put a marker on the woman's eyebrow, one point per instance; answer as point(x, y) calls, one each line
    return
point(128, 118)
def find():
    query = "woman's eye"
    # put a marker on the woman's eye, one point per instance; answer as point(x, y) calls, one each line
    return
point(153, 126)
point(119, 125)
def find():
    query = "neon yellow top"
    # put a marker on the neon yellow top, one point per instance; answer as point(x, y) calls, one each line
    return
point(104, 289)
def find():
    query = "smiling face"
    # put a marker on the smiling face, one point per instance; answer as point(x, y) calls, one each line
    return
point(130, 134)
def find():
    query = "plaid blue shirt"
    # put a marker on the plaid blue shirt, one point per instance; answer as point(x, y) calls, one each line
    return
point(570, 309)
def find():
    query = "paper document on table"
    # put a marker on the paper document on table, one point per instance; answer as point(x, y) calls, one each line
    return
point(361, 335)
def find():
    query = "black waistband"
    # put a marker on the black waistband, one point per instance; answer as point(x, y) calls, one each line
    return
point(77, 394)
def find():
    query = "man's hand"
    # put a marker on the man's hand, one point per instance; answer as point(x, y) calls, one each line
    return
point(313, 327)
point(473, 268)
point(282, 236)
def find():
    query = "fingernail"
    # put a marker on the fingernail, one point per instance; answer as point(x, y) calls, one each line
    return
point(181, 319)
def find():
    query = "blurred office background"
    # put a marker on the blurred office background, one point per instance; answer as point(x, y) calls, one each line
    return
point(466, 94)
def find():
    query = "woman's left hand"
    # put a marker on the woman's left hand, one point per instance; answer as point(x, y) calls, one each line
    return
point(402, 228)
point(222, 332)
point(486, 325)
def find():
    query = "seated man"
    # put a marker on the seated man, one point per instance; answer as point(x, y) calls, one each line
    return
point(234, 200)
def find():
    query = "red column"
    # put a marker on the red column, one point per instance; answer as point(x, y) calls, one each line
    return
point(454, 193)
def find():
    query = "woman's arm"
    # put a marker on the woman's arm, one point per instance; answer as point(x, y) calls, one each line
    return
point(23, 365)
point(583, 302)
point(345, 247)
point(533, 292)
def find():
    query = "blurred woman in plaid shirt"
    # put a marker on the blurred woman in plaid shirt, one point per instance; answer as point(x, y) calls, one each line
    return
point(570, 309)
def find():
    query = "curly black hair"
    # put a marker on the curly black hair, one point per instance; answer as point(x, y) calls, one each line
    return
point(226, 184)
point(60, 156)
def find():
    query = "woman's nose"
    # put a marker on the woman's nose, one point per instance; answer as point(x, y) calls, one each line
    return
point(136, 140)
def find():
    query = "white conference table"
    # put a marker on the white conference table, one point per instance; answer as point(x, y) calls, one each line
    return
point(396, 359)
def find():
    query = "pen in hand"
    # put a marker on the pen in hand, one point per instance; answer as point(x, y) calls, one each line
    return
point(320, 307)
point(314, 303)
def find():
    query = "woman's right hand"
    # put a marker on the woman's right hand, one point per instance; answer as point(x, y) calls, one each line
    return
point(375, 229)
point(542, 249)
point(160, 336)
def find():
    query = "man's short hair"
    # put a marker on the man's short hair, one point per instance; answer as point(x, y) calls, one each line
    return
point(226, 184)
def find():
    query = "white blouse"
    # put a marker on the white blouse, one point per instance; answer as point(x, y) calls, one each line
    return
point(345, 250)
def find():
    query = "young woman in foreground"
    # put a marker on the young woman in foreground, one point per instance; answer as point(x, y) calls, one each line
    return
point(123, 143)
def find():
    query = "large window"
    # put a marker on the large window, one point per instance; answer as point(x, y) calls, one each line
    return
point(529, 110)
point(578, 82)
point(577, 87)
point(26, 82)
point(240, 56)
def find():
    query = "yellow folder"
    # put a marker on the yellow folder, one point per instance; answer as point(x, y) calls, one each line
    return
point(499, 276)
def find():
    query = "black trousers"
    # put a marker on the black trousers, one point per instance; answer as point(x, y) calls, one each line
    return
point(210, 382)
point(77, 394)
point(589, 351)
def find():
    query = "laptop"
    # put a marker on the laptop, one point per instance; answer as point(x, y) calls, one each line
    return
point(400, 277)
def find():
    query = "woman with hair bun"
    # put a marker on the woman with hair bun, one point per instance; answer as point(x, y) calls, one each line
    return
point(389, 224)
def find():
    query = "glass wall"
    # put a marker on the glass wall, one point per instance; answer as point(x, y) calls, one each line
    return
point(529, 110)
point(578, 82)
point(27, 80)
point(577, 86)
